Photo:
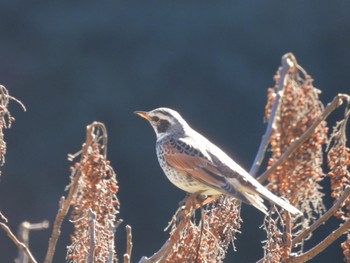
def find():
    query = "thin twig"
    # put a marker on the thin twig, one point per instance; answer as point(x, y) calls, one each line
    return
point(287, 63)
point(7, 96)
point(19, 102)
point(313, 227)
point(62, 212)
point(19, 244)
point(322, 245)
point(118, 223)
point(127, 255)
point(156, 257)
point(288, 235)
point(92, 224)
point(2, 217)
point(126, 258)
point(319, 222)
point(337, 101)
point(23, 236)
point(64, 204)
point(164, 251)
point(98, 137)
point(322, 219)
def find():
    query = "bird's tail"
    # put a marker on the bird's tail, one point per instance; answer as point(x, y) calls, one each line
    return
point(278, 201)
point(257, 201)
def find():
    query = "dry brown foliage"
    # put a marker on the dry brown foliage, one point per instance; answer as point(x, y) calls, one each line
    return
point(92, 195)
point(208, 240)
point(6, 119)
point(298, 178)
point(275, 248)
point(94, 205)
point(339, 164)
point(296, 136)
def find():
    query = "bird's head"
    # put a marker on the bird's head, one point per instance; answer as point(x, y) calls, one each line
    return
point(164, 121)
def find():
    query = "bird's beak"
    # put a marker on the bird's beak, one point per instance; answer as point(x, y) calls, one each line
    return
point(143, 114)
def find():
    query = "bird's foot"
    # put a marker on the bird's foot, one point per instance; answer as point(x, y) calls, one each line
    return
point(201, 200)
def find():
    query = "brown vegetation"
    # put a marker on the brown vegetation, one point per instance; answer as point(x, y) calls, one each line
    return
point(297, 137)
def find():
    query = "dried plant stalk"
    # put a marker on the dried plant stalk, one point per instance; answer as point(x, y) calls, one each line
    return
point(23, 235)
point(6, 119)
point(208, 242)
point(296, 133)
point(274, 249)
point(338, 159)
point(299, 176)
point(93, 236)
point(19, 244)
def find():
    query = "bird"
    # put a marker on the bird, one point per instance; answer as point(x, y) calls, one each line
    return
point(197, 166)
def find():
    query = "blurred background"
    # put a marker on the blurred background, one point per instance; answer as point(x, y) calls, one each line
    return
point(75, 62)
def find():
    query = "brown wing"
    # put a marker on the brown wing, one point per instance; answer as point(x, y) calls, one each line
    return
point(190, 160)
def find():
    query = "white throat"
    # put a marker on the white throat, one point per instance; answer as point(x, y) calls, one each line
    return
point(160, 136)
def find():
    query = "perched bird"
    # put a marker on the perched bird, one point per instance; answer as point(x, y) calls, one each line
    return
point(195, 165)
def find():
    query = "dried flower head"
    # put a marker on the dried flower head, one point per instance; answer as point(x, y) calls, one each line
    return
point(346, 249)
point(208, 240)
point(275, 249)
point(299, 177)
point(6, 119)
point(95, 205)
point(338, 159)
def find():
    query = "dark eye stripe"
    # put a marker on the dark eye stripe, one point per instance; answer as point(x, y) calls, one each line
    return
point(163, 126)
point(155, 119)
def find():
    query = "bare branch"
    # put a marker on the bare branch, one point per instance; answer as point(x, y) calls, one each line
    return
point(118, 223)
point(19, 244)
point(315, 225)
point(127, 255)
point(5, 98)
point(288, 236)
point(164, 251)
point(322, 219)
point(2, 217)
point(337, 101)
point(160, 254)
point(323, 244)
point(126, 258)
point(62, 212)
point(64, 204)
point(166, 248)
point(287, 63)
point(92, 247)
point(23, 236)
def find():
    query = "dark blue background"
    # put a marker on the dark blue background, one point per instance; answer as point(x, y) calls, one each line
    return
point(74, 62)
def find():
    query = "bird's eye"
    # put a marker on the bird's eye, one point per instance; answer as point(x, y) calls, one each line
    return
point(155, 119)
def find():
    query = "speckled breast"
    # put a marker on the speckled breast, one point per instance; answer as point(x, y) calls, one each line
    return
point(181, 180)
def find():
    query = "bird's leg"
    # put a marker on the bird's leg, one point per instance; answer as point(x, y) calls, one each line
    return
point(208, 200)
point(183, 201)
point(211, 199)
point(192, 201)
point(189, 204)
